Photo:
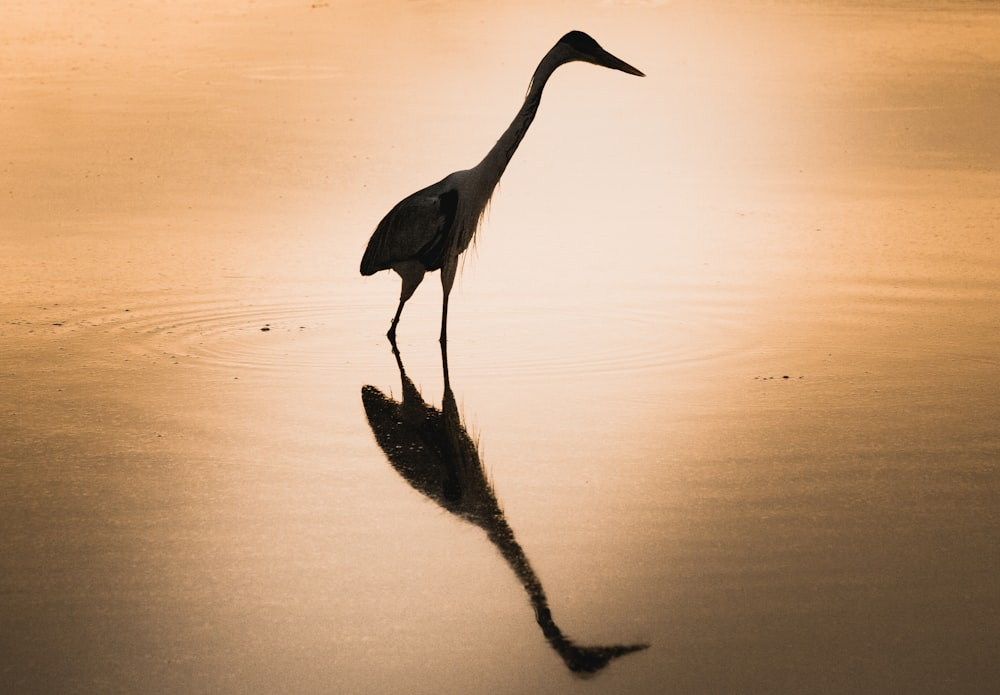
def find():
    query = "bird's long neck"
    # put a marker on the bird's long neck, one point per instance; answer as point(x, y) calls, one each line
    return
point(495, 162)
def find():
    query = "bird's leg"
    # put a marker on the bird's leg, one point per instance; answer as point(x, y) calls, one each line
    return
point(447, 280)
point(391, 335)
point(411, 272)
point(444, 321)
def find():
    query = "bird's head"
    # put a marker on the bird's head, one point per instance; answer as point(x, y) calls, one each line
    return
point(577, 45)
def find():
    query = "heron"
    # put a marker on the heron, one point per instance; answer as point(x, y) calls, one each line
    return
point(431, 228)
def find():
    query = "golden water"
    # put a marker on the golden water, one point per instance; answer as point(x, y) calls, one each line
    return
point(727, 347)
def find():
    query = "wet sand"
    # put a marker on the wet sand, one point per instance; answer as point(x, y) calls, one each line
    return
point(723, 365)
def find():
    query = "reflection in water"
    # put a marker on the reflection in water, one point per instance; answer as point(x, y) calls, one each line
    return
point(433, 451)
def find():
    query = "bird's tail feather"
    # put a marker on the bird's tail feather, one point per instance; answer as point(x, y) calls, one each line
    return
point(369, 264)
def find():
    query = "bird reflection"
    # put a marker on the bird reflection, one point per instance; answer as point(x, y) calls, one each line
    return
point(434, 453)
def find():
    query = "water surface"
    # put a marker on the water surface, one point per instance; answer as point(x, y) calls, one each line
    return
point(722, 371)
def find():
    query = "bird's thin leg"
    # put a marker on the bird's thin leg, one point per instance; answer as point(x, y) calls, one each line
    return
point(444, 321)
point(411, 273)
point(391, 335)
point(444, 365)
point(447, 280)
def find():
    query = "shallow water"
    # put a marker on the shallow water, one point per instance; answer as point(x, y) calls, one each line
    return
point(724, 361)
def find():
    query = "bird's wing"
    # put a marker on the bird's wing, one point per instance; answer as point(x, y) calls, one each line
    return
point(417, 228)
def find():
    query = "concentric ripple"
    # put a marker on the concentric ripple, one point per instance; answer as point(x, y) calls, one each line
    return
point(277, 333)
point(497, 335)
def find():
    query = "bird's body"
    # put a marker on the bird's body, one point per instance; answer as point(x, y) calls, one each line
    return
point(431, 228)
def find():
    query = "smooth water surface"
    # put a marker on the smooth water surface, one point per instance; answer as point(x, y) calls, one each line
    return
point(720, 409)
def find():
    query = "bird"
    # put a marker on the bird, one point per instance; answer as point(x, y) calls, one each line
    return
point(430, 229)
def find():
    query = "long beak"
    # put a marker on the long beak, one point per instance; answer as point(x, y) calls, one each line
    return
point(609, 61)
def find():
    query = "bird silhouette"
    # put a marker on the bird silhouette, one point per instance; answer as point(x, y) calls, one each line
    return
point(431, 228)
point(432, 450)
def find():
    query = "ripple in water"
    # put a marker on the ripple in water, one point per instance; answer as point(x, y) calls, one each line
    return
point(293, 72)
point(636, 337)
point(269, 73)
point(507, 337)
point(281, 333)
